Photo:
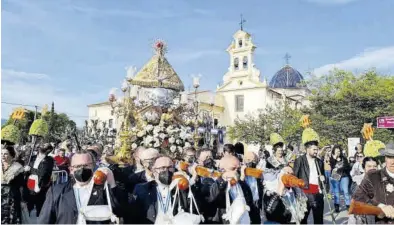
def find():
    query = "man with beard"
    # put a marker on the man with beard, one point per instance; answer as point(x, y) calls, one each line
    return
point(38, 174)
point(230, 166)
point(69, 203)
point(310, 169)
point(152, 201)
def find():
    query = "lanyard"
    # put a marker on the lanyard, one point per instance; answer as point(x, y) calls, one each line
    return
point(160, 198)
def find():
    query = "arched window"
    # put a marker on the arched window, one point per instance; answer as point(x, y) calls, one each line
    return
point(240, 43)
point(245, 62)
point(236, 63)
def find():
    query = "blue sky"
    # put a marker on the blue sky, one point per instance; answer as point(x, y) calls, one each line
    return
point(74, 52)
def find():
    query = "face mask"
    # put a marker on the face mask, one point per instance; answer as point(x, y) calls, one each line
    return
point(191, 160)
point(209, 163)
point(165, 177)
point(251, 164)
point(83, 175)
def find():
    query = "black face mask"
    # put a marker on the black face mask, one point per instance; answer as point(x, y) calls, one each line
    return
point(209, 163)
point(83, 175)
point(191, 160)
point(251, 164)
point(165, 177)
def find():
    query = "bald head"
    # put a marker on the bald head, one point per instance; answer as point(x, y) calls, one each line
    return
point(229, 163)
point(147, 154)
point(250, 157)
point(147, 157)
point(163, 161)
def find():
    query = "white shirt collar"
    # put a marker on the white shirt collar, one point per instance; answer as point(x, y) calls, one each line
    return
point(389, 173)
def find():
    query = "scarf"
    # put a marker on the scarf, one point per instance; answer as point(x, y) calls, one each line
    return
point(13, 170)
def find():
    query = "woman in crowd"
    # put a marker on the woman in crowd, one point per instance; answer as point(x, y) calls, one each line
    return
point(11, 187)
point(340, 176)
point(367, 164)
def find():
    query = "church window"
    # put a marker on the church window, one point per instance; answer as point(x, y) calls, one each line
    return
point(245, 62)
point(240, 43)
point(239, 103)
point(236, 63)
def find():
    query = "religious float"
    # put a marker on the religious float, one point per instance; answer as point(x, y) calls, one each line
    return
point(153, 110)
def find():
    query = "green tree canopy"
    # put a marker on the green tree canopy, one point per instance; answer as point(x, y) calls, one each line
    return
point(256, 129)
point(342, 102)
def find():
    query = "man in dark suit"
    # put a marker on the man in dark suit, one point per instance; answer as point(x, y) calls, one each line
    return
point(38, 173)
point(153, 199)
point(217, 197)
point(64, 202)
point(309, 168)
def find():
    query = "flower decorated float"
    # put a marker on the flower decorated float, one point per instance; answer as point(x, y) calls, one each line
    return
point(153, 109)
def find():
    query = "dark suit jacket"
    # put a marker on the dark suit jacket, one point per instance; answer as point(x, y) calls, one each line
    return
point(302, 171)
point(60, 206)
point(44, 170)
point(134, 179)
point(217, 198)
point(144, 203)
point(372, 190)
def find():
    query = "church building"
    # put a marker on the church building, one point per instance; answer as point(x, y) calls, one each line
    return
point(244, 91)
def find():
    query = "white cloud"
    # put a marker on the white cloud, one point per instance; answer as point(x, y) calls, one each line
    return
point(331, 2)
point(379, 58)
point(9, 74)
point(21, 89)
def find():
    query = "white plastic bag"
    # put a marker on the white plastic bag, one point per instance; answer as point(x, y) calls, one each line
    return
point(238, 211)
point(98, 212)
point(187, 218)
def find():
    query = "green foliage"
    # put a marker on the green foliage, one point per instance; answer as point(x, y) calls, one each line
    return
point(256, 129)
point(24, 125)
point(10, 133)
point(39, 128)
point(342, 102)
point(59, 126)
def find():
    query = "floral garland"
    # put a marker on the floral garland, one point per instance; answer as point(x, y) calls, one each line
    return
point(169, 138)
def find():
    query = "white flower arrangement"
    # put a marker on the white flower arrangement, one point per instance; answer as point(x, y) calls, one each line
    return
point(149, 127)
point(171, 140)
point(187, 145)
point(178, 142)
point(173, 148)
point(162, 136)
point(141, 133)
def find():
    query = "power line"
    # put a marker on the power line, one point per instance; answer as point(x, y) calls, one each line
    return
point(68, 114)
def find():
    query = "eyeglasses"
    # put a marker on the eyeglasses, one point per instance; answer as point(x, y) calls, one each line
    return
point(88, 165)
point(164, 168)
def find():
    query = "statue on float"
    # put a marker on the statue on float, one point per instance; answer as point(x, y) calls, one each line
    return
point(153, 109)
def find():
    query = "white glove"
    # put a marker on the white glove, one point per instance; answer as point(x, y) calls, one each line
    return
point(27, 168)
point(322, 179)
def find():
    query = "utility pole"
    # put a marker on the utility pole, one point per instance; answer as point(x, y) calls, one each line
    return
point(35, 113)
point(35, 117)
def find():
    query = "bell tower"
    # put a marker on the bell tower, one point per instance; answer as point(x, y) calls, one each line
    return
point(241, 51)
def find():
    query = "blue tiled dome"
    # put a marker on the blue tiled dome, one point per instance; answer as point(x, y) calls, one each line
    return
point(287, 77)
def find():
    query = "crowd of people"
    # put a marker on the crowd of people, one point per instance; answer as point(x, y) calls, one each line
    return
point(62, 184)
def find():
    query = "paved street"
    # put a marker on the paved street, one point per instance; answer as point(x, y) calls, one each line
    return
point(340, 218)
